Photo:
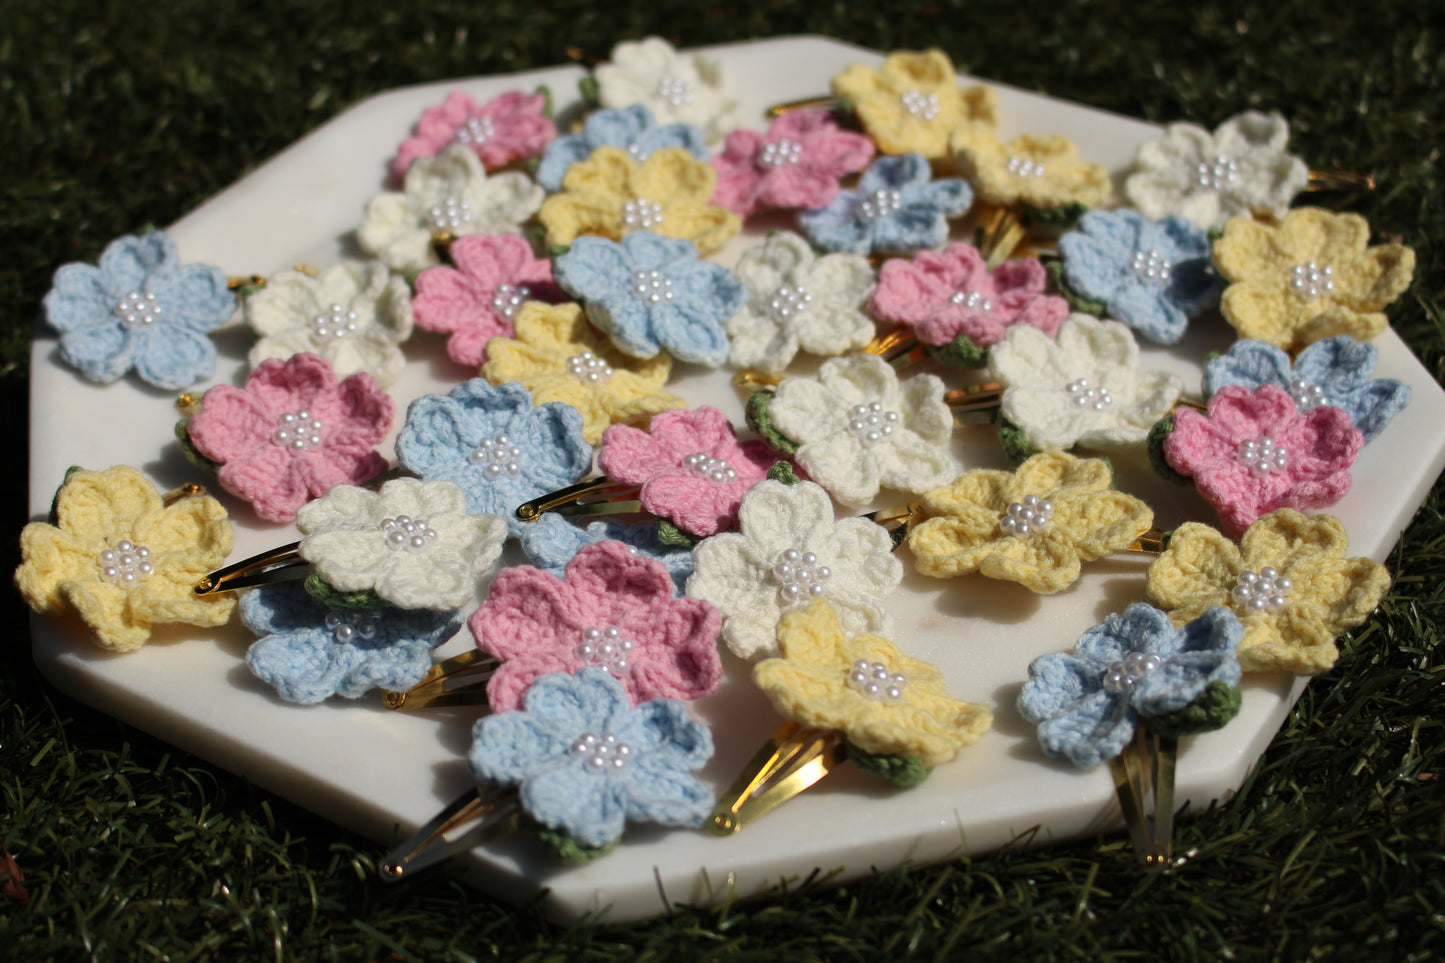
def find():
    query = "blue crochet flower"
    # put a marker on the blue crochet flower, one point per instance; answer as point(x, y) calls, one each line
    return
point(499, 449)
point(1333, 371)
point(896, 207)
point(1151, 275)
point(585, 762)
point(1133, 665)
point(631, 128)
point(651, 294)
point(140, 308)
point(309, 652)
point(552, 540)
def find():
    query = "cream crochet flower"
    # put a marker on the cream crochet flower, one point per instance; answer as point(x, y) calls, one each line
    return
point(677, 89)
point(448, 193)
point(1083, 389)
point(797, 300)
point(859, 428)
point(764, 569)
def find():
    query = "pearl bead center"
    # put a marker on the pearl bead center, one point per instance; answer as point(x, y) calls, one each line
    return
point(800, 576)
point(1263, 456)
point(874, 681)
point(1151, 266)
point(1024, 166)
point(586, 366)
point(919, 104)
point(347, 625)
point(880, 204)
point(1086, 395)
point(497, 456)
point(1027, 517)
point(449, 214)
point(476, 130)
point(971, 300)
point(1124, 674)
point(641, 213)
point(601, 753)
point(405, 532)
point(715, 470)
point(298, 431)
point(507, 298)
point(787, 301)
point(871, 422)
point(126, 564)
point(652, 285)
point(780, 153)
point(1310, 280)
point(1216, 174)
point(337, 321)
point(606, 647)
point(1262, 591)
point(138, 308)
point(1307, 395)
point(675, 90)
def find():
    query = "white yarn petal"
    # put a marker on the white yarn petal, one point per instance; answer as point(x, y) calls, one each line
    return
point(677, 89)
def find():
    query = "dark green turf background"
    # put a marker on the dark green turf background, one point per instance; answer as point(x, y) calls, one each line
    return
point(114, 116)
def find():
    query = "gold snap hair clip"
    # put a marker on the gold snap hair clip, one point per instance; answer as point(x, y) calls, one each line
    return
point(1144, 784)
point(458, 681)
point(596, 496)
point(834, 105)
point(473, 818)
point(845, 697)
point(276, 565)
point(1335, 180)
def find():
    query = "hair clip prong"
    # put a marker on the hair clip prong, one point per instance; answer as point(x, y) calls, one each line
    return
point(792, 759)
point(984, 397)
point(598, 495)
point(756, 380)
point(1190, 403)
point(1144, 782)
point(468, 674)
point(807, 103)
point(277, 565)
point(237, 282)
point(1340, 180)
point(475, 817)
point(898, 347)
point(998, 234)
point(1154, 542)
point(188, 490)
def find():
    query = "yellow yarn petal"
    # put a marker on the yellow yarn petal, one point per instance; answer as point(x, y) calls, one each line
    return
point(1106, 522)
point(881, 100)
point(1053, 473)
point(1194, 572)
point(1041, 172)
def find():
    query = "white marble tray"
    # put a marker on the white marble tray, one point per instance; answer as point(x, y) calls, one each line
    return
point(382, 773)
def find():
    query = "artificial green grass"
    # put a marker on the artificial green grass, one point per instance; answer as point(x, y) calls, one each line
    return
point(118, 116)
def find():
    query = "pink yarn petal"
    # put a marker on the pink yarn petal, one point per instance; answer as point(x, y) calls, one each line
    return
point(526, 611)
point(631, 455)
point(364, 411)
point(448, 300)
point(1045, 312)
point(1248, 414)
point(231, 424)
point(514, 676)
point(321, 471)
point(269, 480)
point(609, 582)
point(691, 502)
point(288, 385)
point(679, 659)
point(683, 431)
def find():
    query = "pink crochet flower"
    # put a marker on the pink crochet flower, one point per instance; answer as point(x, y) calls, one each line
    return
point(475, 301)
point(796, 164)
point(292, 433)
point(692, 468)
point(1255, 452)
point(612, 608)
point(943, 294)
point(500, 131)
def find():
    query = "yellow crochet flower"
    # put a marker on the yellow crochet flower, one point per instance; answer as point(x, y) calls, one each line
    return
point(913, 103)
point(558, 358)
point(1327, 593)
point(122, 560)
point(977, 526)
point(1313, 276)
point(810, 685)
point(1040, 172)
point(611, 194)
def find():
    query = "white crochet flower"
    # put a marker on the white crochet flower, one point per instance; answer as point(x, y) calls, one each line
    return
point(747, 575)
point(1242, 169)
point(859, 428)
point(1081, 389)
point(677, 89)
point(447, 193)
point(355, 315)
point(798, 300)
point(413, 542)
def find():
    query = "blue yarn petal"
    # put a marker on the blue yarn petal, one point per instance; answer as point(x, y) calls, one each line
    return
point(173, 355)
point(594, 268)
point(1247, 364)
point(552, 540)
point(195, 295)
point(584, 805)
point(101, 352)
point(508, 746)
point(1372, 405)
point(1094, 729)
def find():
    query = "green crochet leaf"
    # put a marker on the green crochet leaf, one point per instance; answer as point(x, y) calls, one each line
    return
point(1155, 446)
point(782, 471)
point(1056, 219)
point(54, 516)
point(1215, 706)
point(587, 88)
point(565, 849)
point(188, 448)
point(1054, 267)
point(330, 597)
point(546, 93)
point(760, 421)
point(958, 353)
point(557, 250)
point(674, 537)
point(244, 291)
point(1016, 445)
point(905, 772)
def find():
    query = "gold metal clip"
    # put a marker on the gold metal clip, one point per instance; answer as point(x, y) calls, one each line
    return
point(1190, 403)
point(468, 674)
point(756, 380)
point(188, 490)
point(898, 520)
point(974, 399)
point(998, 234)
point(596, 496)
point(1153, 541)
point(898, 347)
point(1340, 180)
point(477, 816)
point(1144, 782)
point(808, 103)
point(790, 761)
point(277, 565)
point(236, 283)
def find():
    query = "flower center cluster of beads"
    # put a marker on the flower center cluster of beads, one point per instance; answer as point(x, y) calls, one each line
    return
point(871, 422)
point(1124, 674)
point(450, 214)
point(674, 90)
point(781, 153)
point(1151, 266)
point(971, 300)
point(606, 647)
point(920, 104)
point(1027, 517)
point(880, 204)
point(799, 576)
point(298, 431)
point(497, 456)
point(600, 753)
point(787, 301)
point(1025, 167)
point(588, 367)
point(1306, 394)
point(348, 624)
point(872, 679)
point(337, 321)
point(715, 470)
point(1310, 280)
point(507, 298)
point(1262, 456)
point(652, 285)
point(1213, 175)
point(476, 130)
point(1262, 591)
point(126, 564)
point(405, 532)
point(1086, 395)
point(138, 308)
point(641, 212)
